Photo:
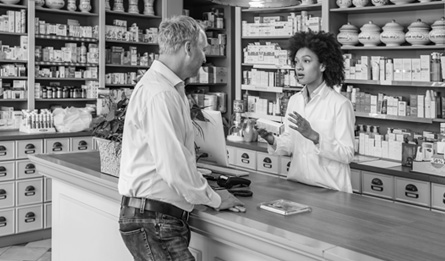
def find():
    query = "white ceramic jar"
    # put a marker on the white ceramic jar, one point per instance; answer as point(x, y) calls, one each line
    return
point(370, 34)
point(344, 3)
point(437, 34)
point(40, 3)
point(418, 33)
point(348, 35)
point(55, 4)
point(360, 3)
point(379, 2)
point(392, 34)
point(11, 2)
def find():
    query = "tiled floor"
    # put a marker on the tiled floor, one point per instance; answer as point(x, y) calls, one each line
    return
point(32, 251)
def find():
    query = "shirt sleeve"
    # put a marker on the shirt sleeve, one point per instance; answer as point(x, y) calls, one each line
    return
point(174, 161)
point(341, 147)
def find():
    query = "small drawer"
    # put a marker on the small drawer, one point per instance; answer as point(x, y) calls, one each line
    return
point(57, 145)
point(29, 191)
point(267, 163)
point(284, 166)
point(7, 150)
point(438, 196)
point(26, 169)
point(356, 180)
point(231, 155)
point(413, 191)
point(379, 185)
point(246, 159)
point(7, 222)
point(7, 170)
point(28, 147)
point(47, 215)
point(29, 218)
point(81, 143)
point(7, 194)
point(47, 189)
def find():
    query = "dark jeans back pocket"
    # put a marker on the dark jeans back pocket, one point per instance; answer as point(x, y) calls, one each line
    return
point(137, 243)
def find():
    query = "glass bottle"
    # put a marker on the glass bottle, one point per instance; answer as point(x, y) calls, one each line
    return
point(83, 53)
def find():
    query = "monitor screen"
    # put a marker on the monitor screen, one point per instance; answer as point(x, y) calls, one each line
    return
point(212, 140)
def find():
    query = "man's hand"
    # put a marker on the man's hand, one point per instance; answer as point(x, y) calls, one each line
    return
point(265, 135)
point(228, 200)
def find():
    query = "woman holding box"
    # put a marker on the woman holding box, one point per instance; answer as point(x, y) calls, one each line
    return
point(319, 130)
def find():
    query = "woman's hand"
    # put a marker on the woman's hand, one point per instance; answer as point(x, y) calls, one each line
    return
point(303, 126)
point(265, 135)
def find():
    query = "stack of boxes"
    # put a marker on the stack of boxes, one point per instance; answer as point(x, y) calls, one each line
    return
point(13, 21)
point(210, 74)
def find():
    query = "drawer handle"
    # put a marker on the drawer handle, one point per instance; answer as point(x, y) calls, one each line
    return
point(30, 169)
point(30, 149)
point(411, 191)
point(3, 150)
point(377, 184)
point(3, 222)
point(267, 163)
point(30, 217)
point(411, 187)
point(3, 194)
point(30, 191)
point(443, 200)
point(57, 146)
point(288, 165)
point(83, 145)
point(245, 158)
point(3, 172)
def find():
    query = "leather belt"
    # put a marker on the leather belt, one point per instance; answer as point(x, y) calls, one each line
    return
point(156, 206)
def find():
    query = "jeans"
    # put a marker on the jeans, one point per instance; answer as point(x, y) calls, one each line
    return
point(153, 236)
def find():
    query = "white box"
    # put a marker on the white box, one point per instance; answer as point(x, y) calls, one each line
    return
point(425, 68)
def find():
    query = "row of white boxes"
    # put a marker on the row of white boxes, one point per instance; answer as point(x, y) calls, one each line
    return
point(25, 195)
point(424, 194)
point(398, 189)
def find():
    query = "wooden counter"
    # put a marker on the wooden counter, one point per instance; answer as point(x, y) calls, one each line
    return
point(341, 226)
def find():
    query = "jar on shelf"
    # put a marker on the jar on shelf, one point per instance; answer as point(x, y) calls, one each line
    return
point(133, 7)
point(379, 2)
point(40, 3)
point(344, 3)
point(118, 5)
point(370, 34)
point(418, 33)
point(437, 34)
point(348, 35)
point(71, 5)
point(360, 3)
point(148, 7)
point(55, 4)
point(85, 6)
point(392, 34)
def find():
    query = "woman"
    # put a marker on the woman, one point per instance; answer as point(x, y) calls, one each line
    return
point(319, 130)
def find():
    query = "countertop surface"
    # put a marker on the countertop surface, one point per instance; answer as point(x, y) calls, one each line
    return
point(347, 222)
point(17, 135)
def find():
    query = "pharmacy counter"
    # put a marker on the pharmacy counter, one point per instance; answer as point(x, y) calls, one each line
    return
point(341, 226)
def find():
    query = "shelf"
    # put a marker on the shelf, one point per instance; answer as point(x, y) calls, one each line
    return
point(261, 88)
point(205, 84)
point(133, 15)
point(13, 6)
point(66, 38)
point(14, 78)
point(402, 47)
point(128, 42)
point(15, 34)
point(398, 83)
point(215, 29)
point(269, 66)
point(127, 66)
point(13, 61)
point(264, 116)
point(65, 12)
point(67, 99)
point(119, 85)
point(68, 64)
point(215, 56)
point(392, 117)
point(65, 79)
point(13, 100)
point(275, 37)
point(297, 8)
point(390, 8)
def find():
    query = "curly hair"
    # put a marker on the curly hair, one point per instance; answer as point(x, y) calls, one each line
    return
point(327, 49)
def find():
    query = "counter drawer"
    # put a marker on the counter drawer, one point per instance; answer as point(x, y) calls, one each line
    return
point(29, 218)
point(57, 145)
point(438, 196)
point(47, 215)
point(29, 147)
point(246, 159)
point(7, 170)
point(413, 191)
point(47, 189)
point(7, 150)
point(231, 155)
point(284, 165)
point(7, 194)
point(29, 191)
point(7, 222)
point(26, 169)
point(356, 180)
point(81, 143)
point(267, 163)
point(379, 185)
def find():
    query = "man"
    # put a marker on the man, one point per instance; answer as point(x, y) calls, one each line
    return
point(158, 179)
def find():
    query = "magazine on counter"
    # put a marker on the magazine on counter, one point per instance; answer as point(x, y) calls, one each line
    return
point(285, 207)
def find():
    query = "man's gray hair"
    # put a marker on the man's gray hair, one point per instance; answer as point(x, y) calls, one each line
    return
point(175, 31)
